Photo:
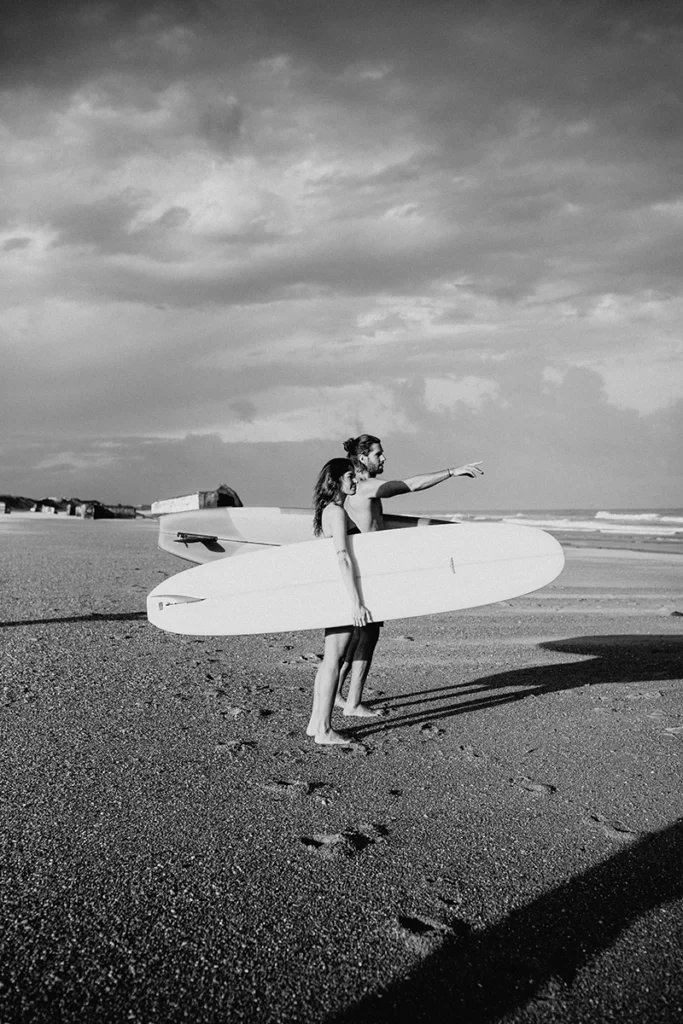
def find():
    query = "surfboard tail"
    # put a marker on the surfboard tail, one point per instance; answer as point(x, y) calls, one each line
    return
point(157, 604)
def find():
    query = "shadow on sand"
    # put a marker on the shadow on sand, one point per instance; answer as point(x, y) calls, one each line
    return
point(619, 658)
point(536, 951)
point(92, 617)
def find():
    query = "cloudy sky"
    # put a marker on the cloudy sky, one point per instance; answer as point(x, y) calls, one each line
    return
point(235, 233)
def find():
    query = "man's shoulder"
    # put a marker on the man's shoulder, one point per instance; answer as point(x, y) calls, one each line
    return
point(365, 490)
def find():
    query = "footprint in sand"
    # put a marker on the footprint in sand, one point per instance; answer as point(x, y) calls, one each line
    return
point(231, 712)
point(449, 903)
point(430, 732)
point(293, 789)
point(471, 753)
point(423, 935)
point(324, 792)
point(355, 747)
point(336, 845)
point(537, 788)
point(215, 691)
point(234, 746)
point(612, 828)
point(182, 697)
point(374, 831)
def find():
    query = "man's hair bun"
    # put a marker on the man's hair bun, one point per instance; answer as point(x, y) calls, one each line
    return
point(357, 446)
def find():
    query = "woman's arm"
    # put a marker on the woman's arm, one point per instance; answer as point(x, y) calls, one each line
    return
point(336, 523)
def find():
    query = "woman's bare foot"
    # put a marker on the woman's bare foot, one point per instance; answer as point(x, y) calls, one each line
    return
point(329, 737)
point(363, 711)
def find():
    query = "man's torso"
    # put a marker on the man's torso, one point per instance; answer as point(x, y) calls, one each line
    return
point(365, 512)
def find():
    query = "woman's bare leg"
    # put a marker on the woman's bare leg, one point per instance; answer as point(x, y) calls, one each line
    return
point(325, 688)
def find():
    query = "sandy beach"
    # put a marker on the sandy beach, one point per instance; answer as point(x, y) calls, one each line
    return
point(505, 846)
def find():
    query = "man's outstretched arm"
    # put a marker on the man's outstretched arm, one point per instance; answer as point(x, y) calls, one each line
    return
point(390, 488)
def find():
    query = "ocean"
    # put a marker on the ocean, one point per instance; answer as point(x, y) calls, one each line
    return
point(644, 523)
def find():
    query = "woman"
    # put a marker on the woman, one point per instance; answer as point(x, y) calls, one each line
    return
point(337, 479)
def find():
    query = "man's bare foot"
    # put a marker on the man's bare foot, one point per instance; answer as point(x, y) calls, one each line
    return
point(363, 711)
point(339, 701)
point(331, 738)
point(311, 728)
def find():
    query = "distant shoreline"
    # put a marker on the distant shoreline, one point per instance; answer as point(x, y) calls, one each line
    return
point(626, 543)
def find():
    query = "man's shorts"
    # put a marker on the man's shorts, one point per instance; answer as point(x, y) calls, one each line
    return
point(345, 629)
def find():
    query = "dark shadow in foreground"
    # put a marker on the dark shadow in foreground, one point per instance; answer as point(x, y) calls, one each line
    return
point(617, 658)
point(92, 617)
point(535, 953)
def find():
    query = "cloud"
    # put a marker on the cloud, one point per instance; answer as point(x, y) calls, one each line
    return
point(446, 392)
point(117, 117)
point(69, 462)
point(261, 225)
point(12, 244)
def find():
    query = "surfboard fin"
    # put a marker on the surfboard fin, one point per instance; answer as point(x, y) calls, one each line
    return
point(195, 538)
point(169, 600)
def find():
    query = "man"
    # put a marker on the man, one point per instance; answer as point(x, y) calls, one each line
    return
point(364, 508)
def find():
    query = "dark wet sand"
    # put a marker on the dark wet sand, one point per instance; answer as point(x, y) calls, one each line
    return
point(506, 846)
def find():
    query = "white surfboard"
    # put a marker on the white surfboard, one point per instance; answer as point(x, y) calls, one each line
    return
point(203, 535)
point(401, 573)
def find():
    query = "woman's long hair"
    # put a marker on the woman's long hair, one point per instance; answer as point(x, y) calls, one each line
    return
point(326, 489)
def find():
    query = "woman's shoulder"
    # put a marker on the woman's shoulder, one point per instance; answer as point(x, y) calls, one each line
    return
point(334, 515)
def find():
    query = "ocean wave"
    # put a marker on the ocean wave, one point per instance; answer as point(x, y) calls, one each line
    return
point(627, 515)
point(650, 517)
point(645, 523)
point(568, 525)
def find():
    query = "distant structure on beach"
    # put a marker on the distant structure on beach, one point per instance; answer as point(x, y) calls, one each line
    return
point(16, 504)
point(121, 511)
point(91, 509)
point(51, 506)
point(97, 510)
point(221, 497)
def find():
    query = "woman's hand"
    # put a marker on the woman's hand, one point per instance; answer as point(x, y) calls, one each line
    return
point(361, 615)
